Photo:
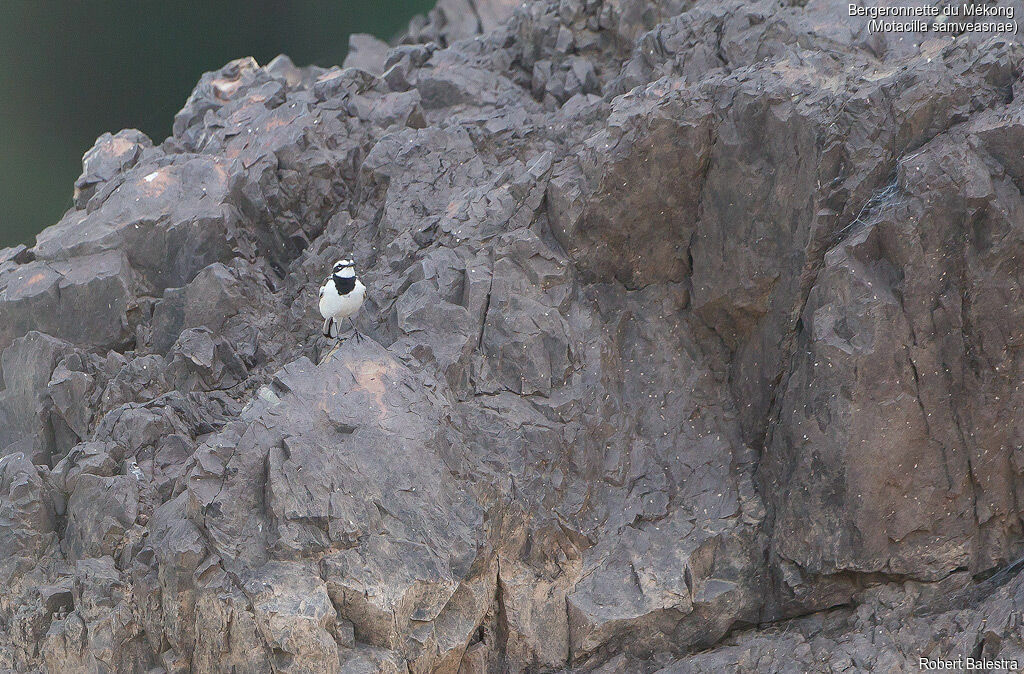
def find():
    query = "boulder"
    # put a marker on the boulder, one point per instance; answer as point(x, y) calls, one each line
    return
point(84, 300)
point(366, 52)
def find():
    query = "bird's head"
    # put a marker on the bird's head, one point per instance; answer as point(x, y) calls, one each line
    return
point(345, 268)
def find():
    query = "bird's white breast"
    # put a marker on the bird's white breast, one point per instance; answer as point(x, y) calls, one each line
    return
point(333, 305)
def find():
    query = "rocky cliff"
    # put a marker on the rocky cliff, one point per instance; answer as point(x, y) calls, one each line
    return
point(694, 345)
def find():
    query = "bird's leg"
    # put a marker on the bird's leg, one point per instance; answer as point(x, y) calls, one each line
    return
point(355, 330)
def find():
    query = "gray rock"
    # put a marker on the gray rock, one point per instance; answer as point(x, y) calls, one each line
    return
point(25, 405)
point(171, 217)
point(83, 300)
point(690, 344)
point(71, 393)
point(366, 53)
point(198, 360)
point(401, 496)
point(453, 20)
point(100, 511)
point(106, 161)
point(88, 458)
point(210, 300)
point(892, 626)
point(13, 253)
point(27, 515)
point(295, 617)
point(634, 187)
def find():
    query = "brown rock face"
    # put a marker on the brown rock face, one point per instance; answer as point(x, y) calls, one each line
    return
point(693, 344)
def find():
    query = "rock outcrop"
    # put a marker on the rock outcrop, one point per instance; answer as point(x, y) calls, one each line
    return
point(693, 345)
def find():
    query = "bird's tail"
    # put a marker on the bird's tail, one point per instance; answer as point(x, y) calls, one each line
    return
point(330, 328)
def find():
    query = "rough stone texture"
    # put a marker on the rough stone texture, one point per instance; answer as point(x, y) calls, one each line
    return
point(453, 20)
point(693, 344)
point(366, 52)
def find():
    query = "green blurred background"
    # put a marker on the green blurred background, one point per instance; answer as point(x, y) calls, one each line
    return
point(71, 70)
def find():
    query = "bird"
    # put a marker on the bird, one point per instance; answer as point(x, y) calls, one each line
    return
point(340, 297)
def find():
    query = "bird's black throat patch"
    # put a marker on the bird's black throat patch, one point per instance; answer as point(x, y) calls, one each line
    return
point(344, 285)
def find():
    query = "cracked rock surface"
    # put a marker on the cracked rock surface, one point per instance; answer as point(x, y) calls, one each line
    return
point(694, 345)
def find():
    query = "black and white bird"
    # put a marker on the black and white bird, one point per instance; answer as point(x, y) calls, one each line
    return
point(340, 297)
